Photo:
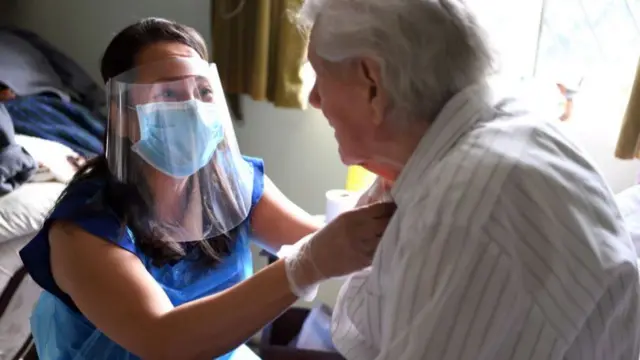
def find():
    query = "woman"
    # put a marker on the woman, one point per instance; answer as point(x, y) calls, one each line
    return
point(146, 255)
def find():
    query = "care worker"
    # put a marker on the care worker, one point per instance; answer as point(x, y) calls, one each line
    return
point(146, 255)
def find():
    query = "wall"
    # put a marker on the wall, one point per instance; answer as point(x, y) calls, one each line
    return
point(298, 146)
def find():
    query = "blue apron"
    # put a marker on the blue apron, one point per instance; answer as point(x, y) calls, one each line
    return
point(61, 332)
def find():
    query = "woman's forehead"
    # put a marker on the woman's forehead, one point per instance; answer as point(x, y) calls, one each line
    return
point(165, 58)
point(168, 71)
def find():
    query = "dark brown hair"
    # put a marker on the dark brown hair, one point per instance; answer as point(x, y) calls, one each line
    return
point(131, 203)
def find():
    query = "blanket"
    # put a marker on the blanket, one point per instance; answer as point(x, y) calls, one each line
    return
point(52, 118)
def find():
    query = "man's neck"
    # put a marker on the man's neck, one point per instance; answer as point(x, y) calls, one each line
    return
point(393, 155)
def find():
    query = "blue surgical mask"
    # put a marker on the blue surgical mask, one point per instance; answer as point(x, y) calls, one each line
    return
point(178, 138)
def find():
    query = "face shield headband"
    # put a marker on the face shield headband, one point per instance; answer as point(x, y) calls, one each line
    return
point(170, 137)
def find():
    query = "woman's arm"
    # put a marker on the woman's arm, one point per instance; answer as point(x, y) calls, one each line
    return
point(277, 221)
point(115, 292)
point(112, 288)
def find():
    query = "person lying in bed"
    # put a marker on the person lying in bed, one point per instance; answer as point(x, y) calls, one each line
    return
point(146, 254)
point(6, 93)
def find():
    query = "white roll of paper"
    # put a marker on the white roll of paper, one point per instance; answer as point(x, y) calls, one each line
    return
point(339, 201)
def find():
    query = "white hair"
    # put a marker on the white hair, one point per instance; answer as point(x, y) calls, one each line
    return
point(428, 50)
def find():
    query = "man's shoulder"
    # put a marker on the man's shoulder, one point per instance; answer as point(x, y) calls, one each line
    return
point(524, 146)
point(510, 161)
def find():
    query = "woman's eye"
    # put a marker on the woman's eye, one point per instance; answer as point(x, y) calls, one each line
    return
point(206, 93)
point(166, 94)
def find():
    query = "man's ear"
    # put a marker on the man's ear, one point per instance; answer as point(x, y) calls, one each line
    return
point(370, 73)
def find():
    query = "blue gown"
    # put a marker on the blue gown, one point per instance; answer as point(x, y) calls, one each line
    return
point(61, 332)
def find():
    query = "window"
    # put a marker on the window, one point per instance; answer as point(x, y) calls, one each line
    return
point(513, 27)
point(593, 47)
point(590, 46)
point(589, 39)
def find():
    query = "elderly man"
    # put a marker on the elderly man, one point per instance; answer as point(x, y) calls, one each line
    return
point(507, 243)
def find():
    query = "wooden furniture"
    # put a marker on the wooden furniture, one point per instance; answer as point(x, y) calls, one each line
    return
point(277, 336)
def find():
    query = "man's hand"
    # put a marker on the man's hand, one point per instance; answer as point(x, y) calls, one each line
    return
point(76, 161)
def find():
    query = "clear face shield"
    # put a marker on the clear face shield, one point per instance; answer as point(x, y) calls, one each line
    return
point(170, 137)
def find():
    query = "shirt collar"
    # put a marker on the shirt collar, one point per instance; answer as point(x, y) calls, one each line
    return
point(456, 118)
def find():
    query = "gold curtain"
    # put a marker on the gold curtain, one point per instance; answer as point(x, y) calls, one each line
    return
point(629, 140)
point(259, 51)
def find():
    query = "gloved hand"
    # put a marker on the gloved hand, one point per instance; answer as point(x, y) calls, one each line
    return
point(345, 245)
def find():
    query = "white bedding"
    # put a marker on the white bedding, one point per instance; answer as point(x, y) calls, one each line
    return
point(23, 211)
point(51, 156)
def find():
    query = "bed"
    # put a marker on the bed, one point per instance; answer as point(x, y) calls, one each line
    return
point(22, 212)
point(51, 114)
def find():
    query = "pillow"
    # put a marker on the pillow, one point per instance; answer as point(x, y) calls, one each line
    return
point(52, 158)
point(23, 211)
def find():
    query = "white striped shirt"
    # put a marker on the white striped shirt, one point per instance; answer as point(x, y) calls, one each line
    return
point(507, 244)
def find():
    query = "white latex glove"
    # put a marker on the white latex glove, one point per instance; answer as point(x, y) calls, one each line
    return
point(345, 245)
point(377, 192)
